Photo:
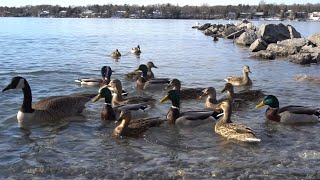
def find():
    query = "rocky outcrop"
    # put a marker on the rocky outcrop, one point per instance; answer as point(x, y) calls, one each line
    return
point(315, 39)
point(247, 38)
point(208, 32)
point(282, 50)
point(302, 58)
point(264, 54)
point(236, 34)
point(272, 33)
point(258, 45)
point(245, 24)
point(297, 42)
point(229, 30)
point(309, 49)
point(204, 26)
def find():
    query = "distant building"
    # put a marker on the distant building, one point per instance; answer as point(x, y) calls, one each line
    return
point(314, 16)
point(231, 15)
point(44, 14)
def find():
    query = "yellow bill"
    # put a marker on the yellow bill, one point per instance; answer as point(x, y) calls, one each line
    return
point(96, 98)
point(164, 99)
point(260, 104)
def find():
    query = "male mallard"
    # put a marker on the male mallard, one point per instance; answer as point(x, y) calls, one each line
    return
point(106, 73)
point(112, 113)
point(49, 109)
point(136, 127)
point(288, 114)
point(186, 118)
point(118, 99)
point(226, 128)
point(241, 80)
point(143, 82)
point(136, 74)
point(186, 93)
point(136, 50)
point(249, 95)
point(116, 54)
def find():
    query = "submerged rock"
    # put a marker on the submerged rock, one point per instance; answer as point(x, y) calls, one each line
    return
point(265, 54)
point(282, 50)
point(301, 58)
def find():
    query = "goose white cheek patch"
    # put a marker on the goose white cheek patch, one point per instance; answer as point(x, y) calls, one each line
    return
point(20, 85)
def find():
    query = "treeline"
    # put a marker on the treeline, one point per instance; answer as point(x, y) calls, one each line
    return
point(161, 10)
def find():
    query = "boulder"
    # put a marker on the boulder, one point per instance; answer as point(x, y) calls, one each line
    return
point(246, 25)
point(258, 45)
point(315, 39)
point(293, 32)
point(309, 49)
point(208, 32)
point(236, 34)
point(282, 50)
point(204, 26)
point(315, 57)
point(301, 58)
point(247, 38)
point(229, 30)
point(297, 42)
point(272, 33)
point(264, 54)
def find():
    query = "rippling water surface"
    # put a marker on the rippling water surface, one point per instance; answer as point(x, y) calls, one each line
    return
point(51, 53)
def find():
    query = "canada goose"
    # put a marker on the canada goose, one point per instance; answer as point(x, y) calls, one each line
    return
point(116, 54)
point(49, 109)
point(136, 50)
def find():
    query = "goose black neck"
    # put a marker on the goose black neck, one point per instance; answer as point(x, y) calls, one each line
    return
point(27, 99)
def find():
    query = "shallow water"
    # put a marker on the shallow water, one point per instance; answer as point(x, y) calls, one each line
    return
point(52, 53)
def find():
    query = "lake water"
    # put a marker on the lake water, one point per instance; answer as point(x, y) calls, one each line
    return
point(52, 53)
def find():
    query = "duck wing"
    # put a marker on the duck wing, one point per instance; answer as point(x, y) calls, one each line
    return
point(299, 110)
point(234, 78)
point(139, 99)
point(199, 115)
point(191, 93)
point(159, 80)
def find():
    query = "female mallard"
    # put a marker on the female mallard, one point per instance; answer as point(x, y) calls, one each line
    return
point(250, 95)
point(136, 74)
point(106, 73)
point(186, 118)
point(116, 54)
point(136, 127)
point(143, 82)
point(49, 109)
point(118, 99)
point(241, 80)
point(226, 128)
point(211, 101)
point(112, 113)
point(186, 93)
point(288, 114)
point(136, 50)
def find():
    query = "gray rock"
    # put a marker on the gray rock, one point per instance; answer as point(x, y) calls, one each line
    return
point(264, 54)
point(235, 34)
point(282, 50)
point(315, 39)
point(258, 45)
point(315, 57)
point(301, 58)
point(297, 42)
point(309, 49)
point(247, 38)
point(208, 32)
point(204, 26)
point(272, 33)
point(293, 32)
point(229, 30)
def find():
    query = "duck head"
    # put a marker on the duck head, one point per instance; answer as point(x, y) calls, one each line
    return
point(105, 93)
point(174, 83)
point(144, 69)
point(174, 96)
point(269, 100)
point(151, 65)
point(227, 87)
point(208, 91)
point(246, 69)
point(106, 72)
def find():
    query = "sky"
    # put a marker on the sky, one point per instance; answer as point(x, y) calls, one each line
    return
point(18, 3)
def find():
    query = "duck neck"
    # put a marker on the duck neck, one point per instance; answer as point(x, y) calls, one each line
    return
point(108, 113)
point(230, 93)
point(212, 97)
point(119, 129)
point(226, 115)
point(245, 75)
point(26, 106)
point(144, 74)
point(173, 114)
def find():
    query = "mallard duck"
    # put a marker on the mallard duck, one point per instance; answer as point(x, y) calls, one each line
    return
point(136, 127)
point(288, 114)
point(136, 50)
point(143, 82)
point(250, 95)
point(241, 80)
point(226, 128)
point(118, 99)
point(112, 113)
point(174, 116)
point(136, 74)
point(106, 73)
point(49, 109)
point(186, 93)
point(116, 54)
point(211, 101)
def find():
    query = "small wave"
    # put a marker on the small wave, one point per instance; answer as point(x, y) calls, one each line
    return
point(39, 72)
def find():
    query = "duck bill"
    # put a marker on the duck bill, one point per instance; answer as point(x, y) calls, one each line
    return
point(96, 98)
point(155, 66)
point(260, 104)
point(164, 99)
point(137, 70)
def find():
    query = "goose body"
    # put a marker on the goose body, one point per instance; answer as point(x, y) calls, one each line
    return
point(241, 80)
point(226, 128)
point(174, 116)
point(185, 93)
point(116, 54)
point(136, 50)
point(134, 128)
point(288, 114)
point(110, 113)
point(49, 109)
